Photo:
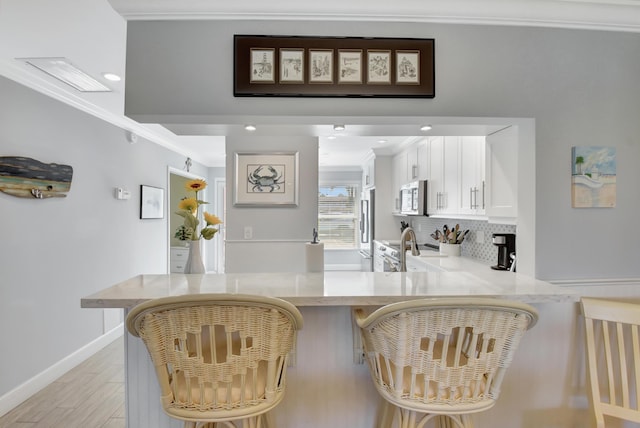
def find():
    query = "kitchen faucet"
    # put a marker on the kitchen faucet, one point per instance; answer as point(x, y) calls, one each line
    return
point(409, 234)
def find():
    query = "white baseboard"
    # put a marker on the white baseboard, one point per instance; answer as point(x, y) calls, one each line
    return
point(13, 398)
point(602, 288)
point(595, 282)
point(335, 267)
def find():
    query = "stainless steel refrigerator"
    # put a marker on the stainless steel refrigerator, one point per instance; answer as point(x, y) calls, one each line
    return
point(367, 228)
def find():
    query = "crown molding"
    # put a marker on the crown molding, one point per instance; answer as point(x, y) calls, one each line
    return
point(609, 15)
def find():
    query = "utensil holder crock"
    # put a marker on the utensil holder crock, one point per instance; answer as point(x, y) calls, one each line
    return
point(452, 250)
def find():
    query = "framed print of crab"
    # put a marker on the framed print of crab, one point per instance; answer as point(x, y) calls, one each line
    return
point(266, 179)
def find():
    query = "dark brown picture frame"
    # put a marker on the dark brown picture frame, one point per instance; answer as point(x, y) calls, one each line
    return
point(330, 81)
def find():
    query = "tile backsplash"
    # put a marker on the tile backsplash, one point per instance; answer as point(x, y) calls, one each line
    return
point(486, 251)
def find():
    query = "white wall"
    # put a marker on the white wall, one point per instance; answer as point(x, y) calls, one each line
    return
point(55, 251)
point(580, 87)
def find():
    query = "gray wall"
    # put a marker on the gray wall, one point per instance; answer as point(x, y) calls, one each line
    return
point(56, 251)
point(580, 87)
point(279, 233)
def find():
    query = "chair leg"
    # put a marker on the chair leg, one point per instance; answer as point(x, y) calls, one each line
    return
point(252, 422)
point(264, 420)
point(391, 416)
point(467, 421)
point(455, 421)
point(384, 414)
point(267, 421)
point(226, 424)
point(411, 419)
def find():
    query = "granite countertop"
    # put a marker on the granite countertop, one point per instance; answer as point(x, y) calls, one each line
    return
point(463, 278)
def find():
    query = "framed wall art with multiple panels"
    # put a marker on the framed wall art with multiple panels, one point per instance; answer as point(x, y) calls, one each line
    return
point(302, 66)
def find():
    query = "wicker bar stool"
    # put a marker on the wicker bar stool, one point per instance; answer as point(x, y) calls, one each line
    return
point(219, 358)
point(441, 359)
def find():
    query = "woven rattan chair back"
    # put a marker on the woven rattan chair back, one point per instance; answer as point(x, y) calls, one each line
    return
point(218, 357)
point(441, 358)
point(613, 358)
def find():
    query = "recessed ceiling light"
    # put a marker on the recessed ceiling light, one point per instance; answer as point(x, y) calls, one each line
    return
point(331, 137)
point(426, 128)
point(250, 128)
point(382, 141)
point(338, 127)
point(63, 70)
point(112, 76)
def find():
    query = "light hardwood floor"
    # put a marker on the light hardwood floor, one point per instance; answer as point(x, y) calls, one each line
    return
point(89, 396)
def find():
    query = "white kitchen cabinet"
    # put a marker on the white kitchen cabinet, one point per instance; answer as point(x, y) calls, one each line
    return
point(502, 176)
point(443, 181)
point(472, 176)
point(178, 259)
point(435, 185)
point(398, 170)
point(422, 155)
point(411, 164)
point(368, 172)
point(404, 167)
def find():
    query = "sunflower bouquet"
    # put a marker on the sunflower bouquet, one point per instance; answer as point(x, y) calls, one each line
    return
point(188, 209)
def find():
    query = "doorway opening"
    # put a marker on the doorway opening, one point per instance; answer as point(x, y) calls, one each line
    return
point(178, 249)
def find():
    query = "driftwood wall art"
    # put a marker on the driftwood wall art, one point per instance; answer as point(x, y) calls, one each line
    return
point(29, 178)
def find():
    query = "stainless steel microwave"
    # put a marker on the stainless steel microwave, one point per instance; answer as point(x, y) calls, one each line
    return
point(413, 198)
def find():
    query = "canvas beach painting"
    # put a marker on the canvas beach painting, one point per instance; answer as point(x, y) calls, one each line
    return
point(593, 177)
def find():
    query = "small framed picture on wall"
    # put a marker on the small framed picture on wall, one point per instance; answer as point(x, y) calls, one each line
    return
point(151, 202)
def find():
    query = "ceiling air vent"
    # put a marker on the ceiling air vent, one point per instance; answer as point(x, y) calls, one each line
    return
point(63, 70)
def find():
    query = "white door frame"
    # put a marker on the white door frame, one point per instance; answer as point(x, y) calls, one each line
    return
point(220, 184)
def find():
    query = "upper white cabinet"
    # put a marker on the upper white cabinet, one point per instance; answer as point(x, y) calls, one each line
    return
point(422, 155)
point(398, 168)
point(472, 176)
point(502, 176)
point(417, 159)
point(411, 164)
point(368, 172)
point(443, 183)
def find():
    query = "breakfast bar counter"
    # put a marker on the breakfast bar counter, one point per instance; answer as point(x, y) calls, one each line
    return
point(333, 288)
point(328, 386)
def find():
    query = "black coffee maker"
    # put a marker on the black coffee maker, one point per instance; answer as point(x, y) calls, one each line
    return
point(506, 243)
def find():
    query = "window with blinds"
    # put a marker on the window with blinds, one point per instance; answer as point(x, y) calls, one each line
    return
point(338, 216)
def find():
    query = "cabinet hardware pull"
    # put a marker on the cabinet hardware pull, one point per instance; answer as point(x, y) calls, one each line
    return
point(474, 202)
